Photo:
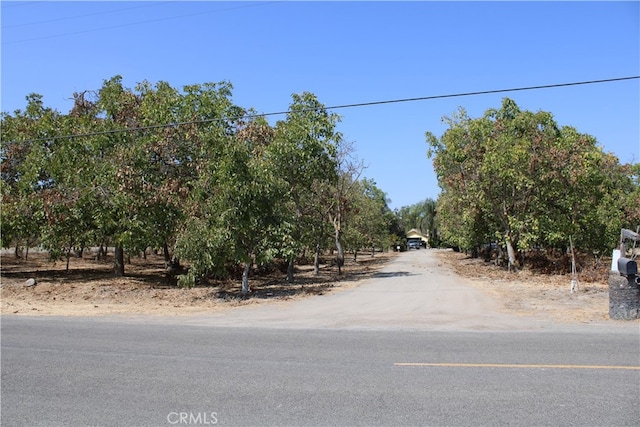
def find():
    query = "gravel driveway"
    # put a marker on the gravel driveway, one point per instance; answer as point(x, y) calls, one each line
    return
point(414, 291)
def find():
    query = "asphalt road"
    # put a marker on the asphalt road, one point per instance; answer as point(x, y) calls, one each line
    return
point(106, 372)
point(412, 346)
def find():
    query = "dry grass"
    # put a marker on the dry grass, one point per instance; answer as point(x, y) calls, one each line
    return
point(531, 293)
point(90, 288)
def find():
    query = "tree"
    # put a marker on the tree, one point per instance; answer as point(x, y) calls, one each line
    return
point(26, 146)
point(341, 197)
point(368, 226)
point(161, 168)
point(421, 216)
point(236, 210)
point(457, 157)
point(185, 170)
point(305, 149)
point(118, 177)
point(229, 208)
point(517, 177)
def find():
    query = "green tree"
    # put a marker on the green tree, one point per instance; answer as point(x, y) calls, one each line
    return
point(164, 176)
point(26, 145)
point(235, 207)
point(421, 216)
point(457, 156)
point(118, 176)
point(368, 225)
point(515, 176)
point(304, 150)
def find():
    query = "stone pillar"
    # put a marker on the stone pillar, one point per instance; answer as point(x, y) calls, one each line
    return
point(624, 297)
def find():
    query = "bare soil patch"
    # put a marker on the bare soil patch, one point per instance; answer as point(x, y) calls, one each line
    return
point(90, 288)
point(530, 293)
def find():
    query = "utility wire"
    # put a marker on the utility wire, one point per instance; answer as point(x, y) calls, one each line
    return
point(335, 107)
point(484, 92)
point(140, 22)
point(66, 18)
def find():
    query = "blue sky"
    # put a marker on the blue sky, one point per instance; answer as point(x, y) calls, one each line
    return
point(346, 52)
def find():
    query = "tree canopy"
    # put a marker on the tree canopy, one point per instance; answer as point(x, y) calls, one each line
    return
point(184, 170)
point(517, 178)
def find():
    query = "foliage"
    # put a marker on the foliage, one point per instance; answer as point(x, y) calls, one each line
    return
point(304, 150)
point(369, 223)
point(422, 217)
point(515, 177)
point(185, 170)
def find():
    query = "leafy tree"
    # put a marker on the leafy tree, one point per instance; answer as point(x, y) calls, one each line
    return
point(26, 145)
point(517, 177)
point(118, 177)
point(421, 216)
point(235, 209)
point(304, 150)
point(457, 157)
point(186, 170)
point(160, 166)
point(368, 226)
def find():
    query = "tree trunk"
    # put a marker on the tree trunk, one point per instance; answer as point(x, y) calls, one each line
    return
point(118, 263)
point(475, 252)
point(511, 252)
point(340, 257)
point(167, 257)
point(290, 271)
point(316, 260)
point(68, 254)
point(245, 278)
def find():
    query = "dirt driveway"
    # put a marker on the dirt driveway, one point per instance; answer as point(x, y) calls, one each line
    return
point(415, 290)
point(422, 289)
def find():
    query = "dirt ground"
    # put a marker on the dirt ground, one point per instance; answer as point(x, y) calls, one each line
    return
point(89, 288)
point(527, 293)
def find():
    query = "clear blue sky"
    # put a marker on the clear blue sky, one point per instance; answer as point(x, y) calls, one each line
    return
point(346, 52)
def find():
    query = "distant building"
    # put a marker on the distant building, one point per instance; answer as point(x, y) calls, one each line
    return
point(414, 235)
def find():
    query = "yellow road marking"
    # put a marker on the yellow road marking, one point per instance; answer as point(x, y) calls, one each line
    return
point(525, 366)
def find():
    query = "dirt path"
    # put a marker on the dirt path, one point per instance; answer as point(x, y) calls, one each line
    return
point(423, 289)
point(413, 291)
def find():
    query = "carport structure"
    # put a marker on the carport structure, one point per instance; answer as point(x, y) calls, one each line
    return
point(414, 235)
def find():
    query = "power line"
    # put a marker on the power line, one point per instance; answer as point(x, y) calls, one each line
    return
point(335, 107)
point(139, 22)
point(484, 92)
point(66, 18)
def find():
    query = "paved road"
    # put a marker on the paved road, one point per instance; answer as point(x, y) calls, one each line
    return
point(76, 372)
point(413, 346)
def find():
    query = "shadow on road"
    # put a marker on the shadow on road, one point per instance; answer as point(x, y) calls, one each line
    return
point(392, 274)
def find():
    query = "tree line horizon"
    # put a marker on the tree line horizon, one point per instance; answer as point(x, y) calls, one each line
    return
point(225, 189)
